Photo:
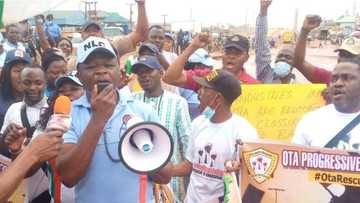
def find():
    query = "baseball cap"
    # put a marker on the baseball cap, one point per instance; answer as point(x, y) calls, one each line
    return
point(148, 61)
point(169, 35)
point(223, 82)
point(90, 23)
point(149, 46)
point(351, 44)
point(203, 57)
point(238, 42)
point(17, 55)
point(92, 45)
point(70, 77)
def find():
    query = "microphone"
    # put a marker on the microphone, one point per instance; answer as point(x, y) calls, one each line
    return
point(61, 119)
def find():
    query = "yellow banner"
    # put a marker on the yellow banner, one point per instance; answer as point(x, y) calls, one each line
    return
point(349, 179)
point(274, 110)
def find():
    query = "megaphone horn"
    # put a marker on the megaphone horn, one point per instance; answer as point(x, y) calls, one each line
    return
point(142, 139)
point(145, 147)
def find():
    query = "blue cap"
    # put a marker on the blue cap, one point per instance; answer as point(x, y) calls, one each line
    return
point(152, 47)
point(70, 77)
point(203, 57)
point(148, 61)
point(17, 55)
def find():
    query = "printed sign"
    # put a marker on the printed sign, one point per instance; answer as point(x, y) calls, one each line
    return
point(274, 110)
point(287, 173)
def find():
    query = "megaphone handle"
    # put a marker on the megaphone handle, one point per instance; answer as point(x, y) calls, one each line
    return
point(143, 184)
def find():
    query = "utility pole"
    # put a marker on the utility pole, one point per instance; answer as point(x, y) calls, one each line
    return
point(131, 14)
point(89, 11)
point(296, 20)
point(354, 9)
point(164, 17)
point(86, 9)
point(96, 18)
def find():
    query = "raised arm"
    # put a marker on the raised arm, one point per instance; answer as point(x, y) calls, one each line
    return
point(42, 148)
point(311, 22)
point(264, 71)
point(142, 25)
point(174, 75)
point(44, 43)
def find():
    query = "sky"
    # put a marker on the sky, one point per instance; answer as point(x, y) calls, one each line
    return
point(236, 12)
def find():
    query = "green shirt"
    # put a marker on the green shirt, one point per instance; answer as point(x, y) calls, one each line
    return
point(174, 115)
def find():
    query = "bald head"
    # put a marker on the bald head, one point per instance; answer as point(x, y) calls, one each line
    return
point(157, 36)
point(286, 54)
point(34, 83)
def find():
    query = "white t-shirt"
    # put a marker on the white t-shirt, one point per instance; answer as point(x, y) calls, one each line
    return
point(169, 56)
point(318, 127)
point(9, 46)
point(210, 145)
point(38, 183)
point(2, 60)
point(13, 113)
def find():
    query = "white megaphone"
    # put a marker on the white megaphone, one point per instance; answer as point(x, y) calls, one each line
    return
point(145, 146)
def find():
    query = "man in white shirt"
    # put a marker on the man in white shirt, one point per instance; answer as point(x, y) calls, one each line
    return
point(33, 80)
point(321, 127)
point(157, 37)
point(213, 137)
point(13, 38)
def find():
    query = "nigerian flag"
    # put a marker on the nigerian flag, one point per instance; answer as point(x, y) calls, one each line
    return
point(13, 11)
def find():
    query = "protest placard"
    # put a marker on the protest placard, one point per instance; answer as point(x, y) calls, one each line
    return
point(274, 110)
point(287, 173)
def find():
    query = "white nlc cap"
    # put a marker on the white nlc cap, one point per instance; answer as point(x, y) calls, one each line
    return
point(91, 45)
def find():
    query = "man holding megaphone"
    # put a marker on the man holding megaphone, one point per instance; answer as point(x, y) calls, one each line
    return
point(90, 158)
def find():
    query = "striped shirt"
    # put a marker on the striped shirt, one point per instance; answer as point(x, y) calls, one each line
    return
point(264, 72)
point(174, 115)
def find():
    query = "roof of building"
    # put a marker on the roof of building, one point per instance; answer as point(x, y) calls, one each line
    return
point(346, 19)
point(77, 18)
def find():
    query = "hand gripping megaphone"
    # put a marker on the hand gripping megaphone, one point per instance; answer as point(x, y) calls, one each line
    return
point(145, 146)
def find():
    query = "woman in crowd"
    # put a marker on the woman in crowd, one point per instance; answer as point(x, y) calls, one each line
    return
point(54, 65)
point(65, 45)
point(11, 90)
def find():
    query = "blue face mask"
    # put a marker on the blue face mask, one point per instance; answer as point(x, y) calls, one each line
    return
point(208, 112)
point(282, 69)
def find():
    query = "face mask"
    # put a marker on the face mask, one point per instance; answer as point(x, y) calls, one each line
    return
point(282, 69)
point(208, 111)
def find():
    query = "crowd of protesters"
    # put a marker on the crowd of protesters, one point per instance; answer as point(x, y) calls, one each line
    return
point(181, 88)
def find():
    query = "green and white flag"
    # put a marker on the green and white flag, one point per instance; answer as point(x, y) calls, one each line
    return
point(13, 11)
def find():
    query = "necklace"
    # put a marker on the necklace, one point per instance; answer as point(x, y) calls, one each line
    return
point(158, 105)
